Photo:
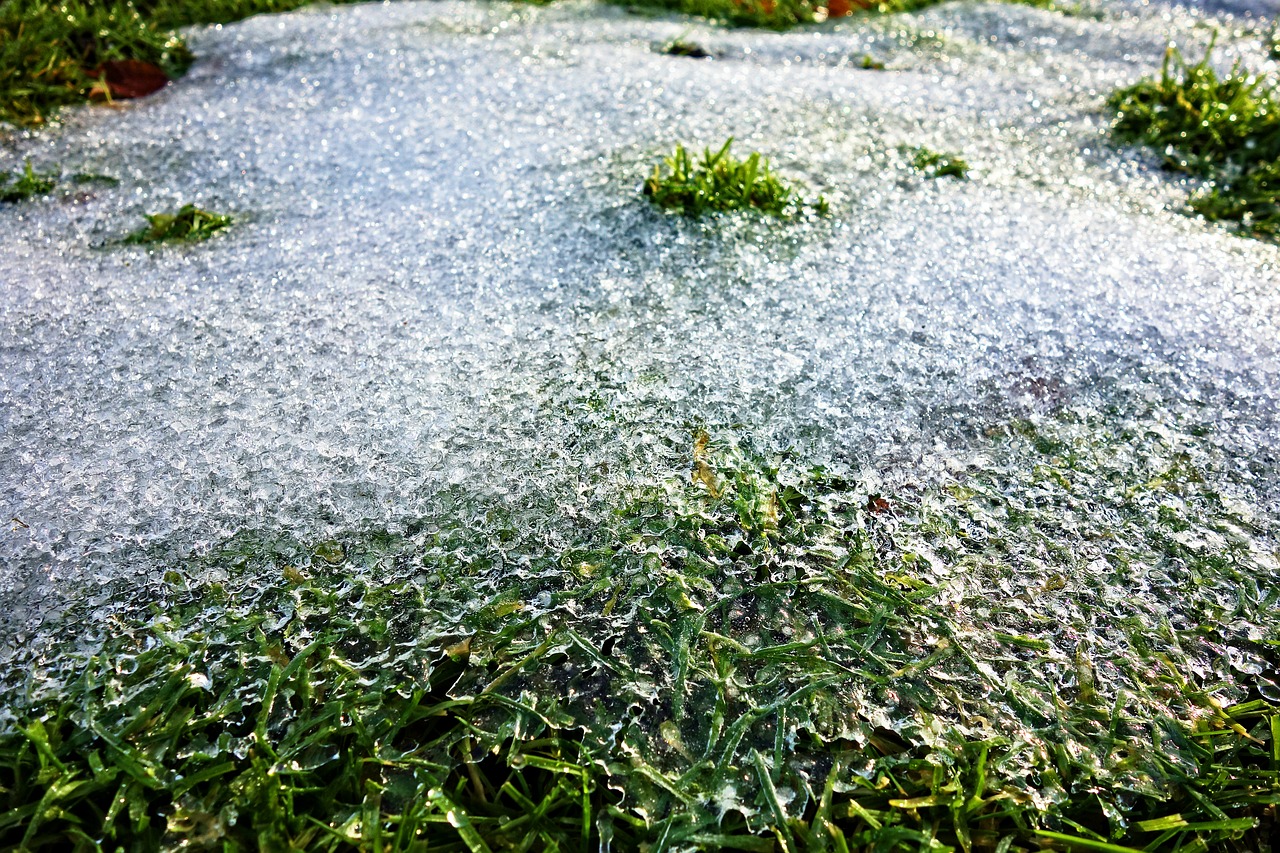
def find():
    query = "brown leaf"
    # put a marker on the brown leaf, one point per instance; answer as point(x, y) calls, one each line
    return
point(129, 78)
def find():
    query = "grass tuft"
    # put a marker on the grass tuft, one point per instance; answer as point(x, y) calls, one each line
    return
point(935, 164)
point(27, 184)
point(720, 183)
point(188, 224)
point(1225, 128)
point(690, 49)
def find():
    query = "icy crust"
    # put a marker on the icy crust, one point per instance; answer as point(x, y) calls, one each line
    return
point(438, 211)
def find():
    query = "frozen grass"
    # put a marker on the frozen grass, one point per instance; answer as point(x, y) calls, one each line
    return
point(761, 656)
point(187, 224)
point(719, 183)
point(1223, 128)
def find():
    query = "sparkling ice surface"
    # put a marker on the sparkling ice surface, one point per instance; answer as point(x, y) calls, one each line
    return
point(442, 258)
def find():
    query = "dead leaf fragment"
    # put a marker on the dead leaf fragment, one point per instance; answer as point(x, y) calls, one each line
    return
point(128, 78)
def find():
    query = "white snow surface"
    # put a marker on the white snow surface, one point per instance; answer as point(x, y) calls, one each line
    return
point(443, 272)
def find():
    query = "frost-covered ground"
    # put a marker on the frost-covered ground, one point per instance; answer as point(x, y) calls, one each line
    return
point(983, 464)
point(443, 273)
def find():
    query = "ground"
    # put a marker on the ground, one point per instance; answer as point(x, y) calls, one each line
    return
point(980, 466)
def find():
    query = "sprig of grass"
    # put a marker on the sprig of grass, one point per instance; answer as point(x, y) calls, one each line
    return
point(187, 224)
point(27, 184)
point(1225, 128)
point(935, 164)
point(720, 183)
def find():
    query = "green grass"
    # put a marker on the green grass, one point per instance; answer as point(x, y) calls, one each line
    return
point(756, 655)
point(680, 47)
point(48, 50)
point(187, 224)
point(719, 183)
point(1224, 128)
point(935, 164)
point(27, 184)
point(785, 14)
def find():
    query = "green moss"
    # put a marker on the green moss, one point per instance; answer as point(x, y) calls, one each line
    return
point(935, 164)
point(187, 224)
point(719, 183)
point(1225, 128)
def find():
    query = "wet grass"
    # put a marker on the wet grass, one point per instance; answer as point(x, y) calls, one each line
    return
point(187, 224)
point(935, 164)
point(1224, 128)
point(719, 183)
point(758, 655)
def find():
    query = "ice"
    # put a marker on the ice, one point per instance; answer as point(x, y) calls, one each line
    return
point(443, 276)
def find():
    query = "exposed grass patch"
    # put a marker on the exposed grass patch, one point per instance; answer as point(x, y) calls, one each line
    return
point(1223, 128)
point(187, 224)
point(51, 52)
point(785, 14)
point(935, 164)
point(48, 52)
point(719, 183)
point(27, 184)
point(680, 47)
point(756, 656)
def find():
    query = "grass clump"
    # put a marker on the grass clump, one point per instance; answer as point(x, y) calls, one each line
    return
point(27, 184)
point(719, 183)
point(1225, 128)
point(187, 224)
point(52, 51)
point(690, 49)
point(935, 164)
point(49, 51)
